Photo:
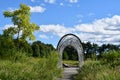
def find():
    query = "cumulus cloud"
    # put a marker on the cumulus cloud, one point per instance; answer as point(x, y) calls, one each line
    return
point(32, 0)
point(105, 30)
point(43, 36)
point(73, 1)
point(58, 30)
point(102, 26)
point(11, 9)
point(37, 9)
point(61, 4)
point(8, 26)
point(50, 1)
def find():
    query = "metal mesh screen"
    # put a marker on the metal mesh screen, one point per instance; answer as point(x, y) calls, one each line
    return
point(70, 40)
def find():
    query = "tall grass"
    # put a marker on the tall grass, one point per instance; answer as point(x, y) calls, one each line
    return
point(106, 69)
point(28, 68)
point(111, 57)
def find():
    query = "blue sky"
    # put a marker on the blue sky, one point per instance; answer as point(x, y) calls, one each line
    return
point(97, 21)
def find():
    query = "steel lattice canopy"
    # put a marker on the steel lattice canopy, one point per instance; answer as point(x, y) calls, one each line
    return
point(70, 40)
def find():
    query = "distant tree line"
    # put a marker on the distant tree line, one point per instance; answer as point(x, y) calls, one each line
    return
point(35, 49)
point(40, 49)
point(90, 50)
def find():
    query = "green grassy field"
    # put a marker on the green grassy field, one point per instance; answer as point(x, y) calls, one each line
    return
point(107, 68)
point(95, 70)
point(29, 68)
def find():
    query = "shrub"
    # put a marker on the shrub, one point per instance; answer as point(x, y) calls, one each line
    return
point(97, 71)
point(14, 55)
point(6, 45)
point(111, 57)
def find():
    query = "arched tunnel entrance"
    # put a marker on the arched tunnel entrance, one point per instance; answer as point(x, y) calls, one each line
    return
point(70, 40)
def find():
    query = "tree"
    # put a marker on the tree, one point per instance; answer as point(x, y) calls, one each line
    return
point(36, 51)
point(6, 46)
point(23, 28)
point(41, 50)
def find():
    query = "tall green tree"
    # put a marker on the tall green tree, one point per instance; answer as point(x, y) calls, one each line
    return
point(41, 49)
point(23, 29)
point(6, 46)
point(36, 50)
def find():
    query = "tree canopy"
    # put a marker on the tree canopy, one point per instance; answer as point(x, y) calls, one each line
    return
point(22, 27)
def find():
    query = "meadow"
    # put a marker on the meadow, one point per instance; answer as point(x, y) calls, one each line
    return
point(107, 68)
point(22, 67)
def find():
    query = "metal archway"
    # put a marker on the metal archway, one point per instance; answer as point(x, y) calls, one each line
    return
point(70, 40)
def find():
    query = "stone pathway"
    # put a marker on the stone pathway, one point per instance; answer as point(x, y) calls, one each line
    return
point(69, 73)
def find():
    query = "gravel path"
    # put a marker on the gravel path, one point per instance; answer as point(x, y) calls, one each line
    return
point(69, 73)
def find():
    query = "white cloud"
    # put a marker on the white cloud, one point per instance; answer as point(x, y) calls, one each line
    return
point(102, 26)
point(80, 20)
point(37, 9)
point(105, 30)
point(32, 0)
point(58, 30)
point(8, 26)
point(11, 9)
point(73, 1)
point(43, 36)
point(50, 1)
point(61, 4)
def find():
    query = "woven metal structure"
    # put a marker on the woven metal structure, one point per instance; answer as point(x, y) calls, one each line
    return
point(70, 40)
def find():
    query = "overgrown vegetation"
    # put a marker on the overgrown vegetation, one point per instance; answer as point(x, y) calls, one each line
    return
point(15, 37)
point(20, 60)
point(28, 68)
point(107, 68)
point(111, 57)
point(91, 51)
